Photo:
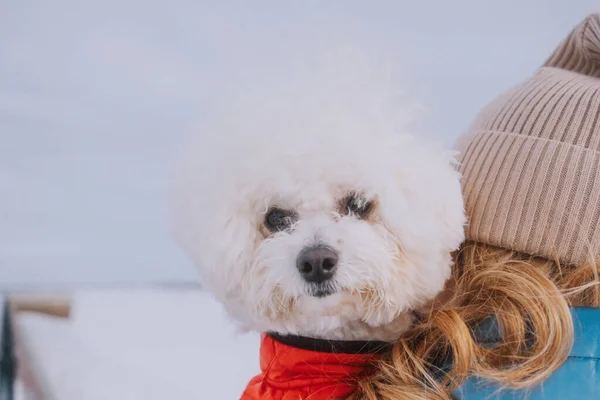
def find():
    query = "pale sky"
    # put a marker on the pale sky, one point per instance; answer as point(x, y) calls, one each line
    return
point(95, 100)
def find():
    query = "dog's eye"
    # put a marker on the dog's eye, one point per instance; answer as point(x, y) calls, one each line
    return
point(278, 220)
point(357, 205)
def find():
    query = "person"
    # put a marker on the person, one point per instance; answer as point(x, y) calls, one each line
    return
point(521, 319)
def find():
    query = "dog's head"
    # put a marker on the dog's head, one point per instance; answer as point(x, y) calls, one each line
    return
point(309, 233)
point(312, 218)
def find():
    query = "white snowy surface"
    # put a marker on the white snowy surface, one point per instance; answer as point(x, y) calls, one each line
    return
point(140, 345)
point(69, 370)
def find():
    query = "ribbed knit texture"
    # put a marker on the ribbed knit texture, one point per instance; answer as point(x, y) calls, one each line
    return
point(531, 159)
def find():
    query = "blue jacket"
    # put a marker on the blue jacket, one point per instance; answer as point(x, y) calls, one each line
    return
point(578, 378)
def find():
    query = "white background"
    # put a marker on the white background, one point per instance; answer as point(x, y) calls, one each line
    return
point(96, 96)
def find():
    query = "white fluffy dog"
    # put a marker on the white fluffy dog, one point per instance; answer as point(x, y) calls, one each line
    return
point(308, 213)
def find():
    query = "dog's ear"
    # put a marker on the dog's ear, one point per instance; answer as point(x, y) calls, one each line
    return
point(214, 227)
point(438, 301)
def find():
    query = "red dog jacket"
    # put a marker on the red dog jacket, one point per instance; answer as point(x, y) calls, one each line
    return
point(299, 368)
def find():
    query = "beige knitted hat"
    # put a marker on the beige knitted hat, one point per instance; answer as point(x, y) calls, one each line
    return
point(531, 159)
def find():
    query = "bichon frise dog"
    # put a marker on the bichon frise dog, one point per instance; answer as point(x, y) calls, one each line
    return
point(309, 214)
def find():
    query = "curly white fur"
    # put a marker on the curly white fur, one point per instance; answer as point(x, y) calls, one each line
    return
point(303, 145)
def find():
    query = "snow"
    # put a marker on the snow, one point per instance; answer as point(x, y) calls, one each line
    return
point(140, 345)
point(69, 370)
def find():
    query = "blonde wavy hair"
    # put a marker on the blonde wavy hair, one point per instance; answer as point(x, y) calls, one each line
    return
point(530, 298)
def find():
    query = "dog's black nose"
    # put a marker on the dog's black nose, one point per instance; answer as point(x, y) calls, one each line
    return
point(317, 264)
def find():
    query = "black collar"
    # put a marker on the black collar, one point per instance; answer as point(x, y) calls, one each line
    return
point(333, 346)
